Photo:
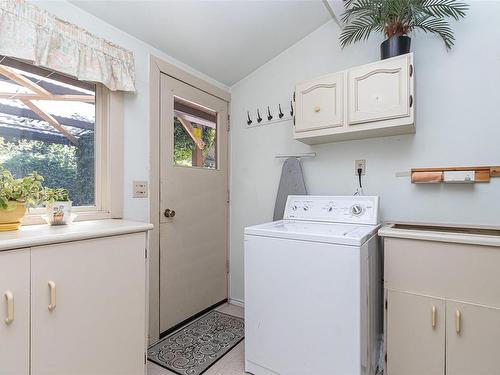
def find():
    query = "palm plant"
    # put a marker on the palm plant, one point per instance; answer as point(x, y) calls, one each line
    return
point(400, 17)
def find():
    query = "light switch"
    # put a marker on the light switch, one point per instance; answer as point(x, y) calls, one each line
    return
point(140, 189)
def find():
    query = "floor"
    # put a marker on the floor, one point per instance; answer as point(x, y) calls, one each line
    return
point(231, 364)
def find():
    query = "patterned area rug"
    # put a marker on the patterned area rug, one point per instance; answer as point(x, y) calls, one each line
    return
point(197, 346)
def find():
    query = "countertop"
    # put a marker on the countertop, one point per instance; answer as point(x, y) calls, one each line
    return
point(467, 234)
point(37, 235)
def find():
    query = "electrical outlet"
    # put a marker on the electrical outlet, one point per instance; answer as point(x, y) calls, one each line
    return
point(140, 189)
point(360, 164)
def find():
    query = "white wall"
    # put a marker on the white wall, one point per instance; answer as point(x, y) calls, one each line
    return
point(136, 106)
point(458, 123)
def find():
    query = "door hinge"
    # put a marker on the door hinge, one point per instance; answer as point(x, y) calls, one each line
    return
point(385, 357)
point(386, 304)
point(411, 101)
point(227, 266)
point(293, 120)
point(228, 196)
point(146, 253)
point(228, 123)
point(411, 70)
point(294, 96)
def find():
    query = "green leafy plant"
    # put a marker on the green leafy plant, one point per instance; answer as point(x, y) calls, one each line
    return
point(51, 195)
point(27, 189)
point(400, 17)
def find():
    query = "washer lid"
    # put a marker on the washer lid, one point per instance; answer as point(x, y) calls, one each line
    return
point(335, 233)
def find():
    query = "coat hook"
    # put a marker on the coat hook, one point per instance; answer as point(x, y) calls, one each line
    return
point(291, 108)
point(281, 114)
point(259, 119)
point(269, 116)
point(249, 121)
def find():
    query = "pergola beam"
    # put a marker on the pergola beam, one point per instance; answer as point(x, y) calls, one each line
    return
point(24, 81)
point(190, 130)
point(63, 98)
point(51, 120)
point(29, 114)
point(19, 133)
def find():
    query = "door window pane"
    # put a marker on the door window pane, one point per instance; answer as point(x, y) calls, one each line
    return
point(47, 125)
point(195, 135)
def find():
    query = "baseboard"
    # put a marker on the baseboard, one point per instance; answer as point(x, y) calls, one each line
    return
point(236, 302)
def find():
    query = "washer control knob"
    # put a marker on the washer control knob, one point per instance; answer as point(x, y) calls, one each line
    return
point(356, 210)
point(330, 208)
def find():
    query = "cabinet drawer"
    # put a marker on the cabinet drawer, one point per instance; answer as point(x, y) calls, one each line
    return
point(449, 270)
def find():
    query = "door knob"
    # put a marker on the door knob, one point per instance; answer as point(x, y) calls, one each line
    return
point(169, 213)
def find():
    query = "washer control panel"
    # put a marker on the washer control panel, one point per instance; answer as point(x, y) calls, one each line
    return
point(335, 209)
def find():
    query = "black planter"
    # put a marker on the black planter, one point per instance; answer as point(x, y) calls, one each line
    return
point(395, 46)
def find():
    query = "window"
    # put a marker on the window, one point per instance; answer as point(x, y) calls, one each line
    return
point(195, 135)
point(57, 126)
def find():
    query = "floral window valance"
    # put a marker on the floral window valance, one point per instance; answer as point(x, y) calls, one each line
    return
point(30, 33)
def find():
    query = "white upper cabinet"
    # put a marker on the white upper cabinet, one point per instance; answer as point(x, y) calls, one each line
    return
point(379, 91)
point(319, 103)
point(372, 100)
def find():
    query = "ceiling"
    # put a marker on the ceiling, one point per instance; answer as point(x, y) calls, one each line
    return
point(225, 40)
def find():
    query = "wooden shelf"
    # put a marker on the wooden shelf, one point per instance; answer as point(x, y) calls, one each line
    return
point(435, 175)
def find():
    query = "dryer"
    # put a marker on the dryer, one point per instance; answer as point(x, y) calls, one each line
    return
point(313, 289)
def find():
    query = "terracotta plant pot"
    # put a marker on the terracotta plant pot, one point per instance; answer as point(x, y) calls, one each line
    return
point(395, 46)
point(10, 219)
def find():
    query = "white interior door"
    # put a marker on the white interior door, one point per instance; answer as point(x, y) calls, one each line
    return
point(193, 201)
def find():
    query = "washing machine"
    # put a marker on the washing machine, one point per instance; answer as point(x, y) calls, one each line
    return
point(313, 289)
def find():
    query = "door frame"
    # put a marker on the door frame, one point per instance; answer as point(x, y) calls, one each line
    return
point(157, 67)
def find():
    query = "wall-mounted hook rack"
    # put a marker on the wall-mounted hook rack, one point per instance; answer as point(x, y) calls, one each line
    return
point(274, 114)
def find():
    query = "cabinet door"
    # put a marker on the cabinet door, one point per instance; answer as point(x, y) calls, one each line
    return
point(319, 103)
point(379, 91)
point(96, 323)
point(472, 339)
point(14, 324)
point(415, 334)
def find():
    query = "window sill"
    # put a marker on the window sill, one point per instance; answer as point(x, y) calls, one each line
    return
point(37, 219)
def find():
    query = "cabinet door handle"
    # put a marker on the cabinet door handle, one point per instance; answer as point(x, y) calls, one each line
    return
point(9, 300)
point(458, 318)
point(52, 292)
point(433, 317)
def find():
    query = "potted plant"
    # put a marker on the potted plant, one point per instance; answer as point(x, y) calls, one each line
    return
point(58, 206)
point(15, 195)
point(398, 18)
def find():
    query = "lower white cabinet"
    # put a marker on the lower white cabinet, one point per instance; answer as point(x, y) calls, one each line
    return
point(472, 339)
point(415, 332)
point(442, 312)
point(15, 324)
point(88, 308)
